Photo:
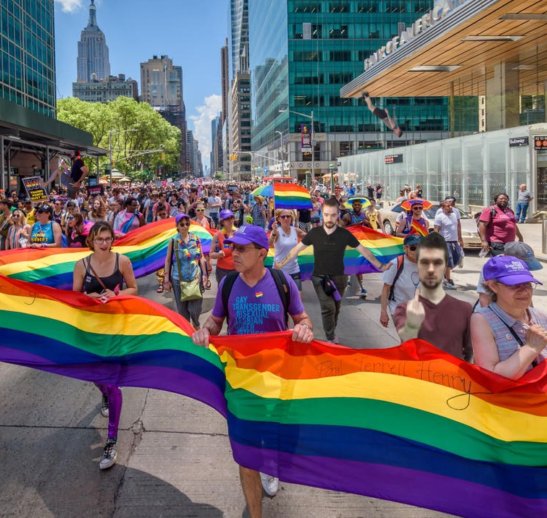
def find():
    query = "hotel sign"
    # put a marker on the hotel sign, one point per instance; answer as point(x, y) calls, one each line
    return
point(442, 9)
point(519, 142)
point(393, 159)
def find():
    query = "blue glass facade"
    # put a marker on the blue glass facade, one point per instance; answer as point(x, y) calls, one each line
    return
point(27, 54)
point(303, 51)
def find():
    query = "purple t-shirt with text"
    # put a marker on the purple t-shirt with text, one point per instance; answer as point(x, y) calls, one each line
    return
point(257, 309)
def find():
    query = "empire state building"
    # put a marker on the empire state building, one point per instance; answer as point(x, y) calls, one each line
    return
point(93, 59)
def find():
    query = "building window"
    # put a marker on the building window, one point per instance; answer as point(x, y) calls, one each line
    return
point(367, 7)
point(310, 7)
point(339, 32)
point(341, 78)
point(339, 101)
point(339, 7)
point(346, 148)
point(307, 56)
point(340, 55)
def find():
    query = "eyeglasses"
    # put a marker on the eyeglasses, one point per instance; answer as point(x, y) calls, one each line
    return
point(241, 249)
point(200, 210)
point(69, 218)
point(184, 224)
point(413, 248)
point(519, 287)
point(15, 215)
point(103, 240)
point(417, 208)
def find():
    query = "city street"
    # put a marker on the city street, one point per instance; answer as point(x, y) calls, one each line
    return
point(174, 456)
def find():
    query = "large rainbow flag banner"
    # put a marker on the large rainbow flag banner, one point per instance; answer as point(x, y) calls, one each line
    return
point(409, 424)
point(291, 196)
point(383, 247)
point(145, 246)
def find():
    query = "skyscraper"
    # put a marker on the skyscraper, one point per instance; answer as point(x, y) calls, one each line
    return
point(93, 59)
point(239, 35)
point(30, 136)
point(162, 88)
point(301, 53)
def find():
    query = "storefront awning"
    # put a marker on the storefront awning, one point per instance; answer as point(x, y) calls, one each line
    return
point(471, 40)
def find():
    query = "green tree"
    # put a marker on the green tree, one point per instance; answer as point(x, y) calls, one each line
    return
point(140, 138)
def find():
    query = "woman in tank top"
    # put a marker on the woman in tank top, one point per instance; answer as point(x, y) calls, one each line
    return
point(104, 275)
point(220, 251)
point(509, 336)
point(284, 237)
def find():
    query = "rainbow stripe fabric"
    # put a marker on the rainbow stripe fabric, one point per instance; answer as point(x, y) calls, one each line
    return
point(409, 424)
point(291, 196)
point(146, 248)
point(383, 247)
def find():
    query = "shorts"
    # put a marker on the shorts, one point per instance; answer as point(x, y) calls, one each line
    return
point(454, 254)
point(380, 113)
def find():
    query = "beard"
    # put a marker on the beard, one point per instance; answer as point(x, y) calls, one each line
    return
point(329, 224)
point(431, 283)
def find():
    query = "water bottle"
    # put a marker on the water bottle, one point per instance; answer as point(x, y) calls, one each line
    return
point(483, 253)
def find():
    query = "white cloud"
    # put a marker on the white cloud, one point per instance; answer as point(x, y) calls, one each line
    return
point(69, 6)
point(202, 123)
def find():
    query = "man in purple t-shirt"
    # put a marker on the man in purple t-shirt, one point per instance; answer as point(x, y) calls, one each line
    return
point(255, 306)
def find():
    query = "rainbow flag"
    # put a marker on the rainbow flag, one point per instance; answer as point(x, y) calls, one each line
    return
point(409, 424)
point(145, 246)
point(383, 247)
point(418, 227)
point(291, 196)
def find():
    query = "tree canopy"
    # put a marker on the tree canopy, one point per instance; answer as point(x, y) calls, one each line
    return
point(140, 138)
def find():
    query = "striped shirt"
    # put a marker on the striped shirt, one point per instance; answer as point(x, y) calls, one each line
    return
point(500, 323)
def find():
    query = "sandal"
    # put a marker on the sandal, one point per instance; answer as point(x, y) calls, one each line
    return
point(160, 289)
point(208, 284)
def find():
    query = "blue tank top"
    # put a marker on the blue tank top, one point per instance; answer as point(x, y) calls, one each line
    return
point(42, 234)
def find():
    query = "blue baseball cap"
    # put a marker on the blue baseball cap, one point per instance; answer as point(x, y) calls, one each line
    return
point(522, 251)
point(412, 239)
point(508, 270)
point(250, 234)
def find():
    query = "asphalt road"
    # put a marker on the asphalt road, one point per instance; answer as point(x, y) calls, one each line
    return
point(174, 456)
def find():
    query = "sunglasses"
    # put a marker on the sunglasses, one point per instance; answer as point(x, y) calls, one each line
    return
point(200, 210)
point(184, 224)
point(417, 208)
point(413, 248)
point(285, 216)
point(42, 211)
point(69, 218)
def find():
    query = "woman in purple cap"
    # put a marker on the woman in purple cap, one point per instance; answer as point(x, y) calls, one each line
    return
point(183, 263)
point(222, 251)
point(509, 336)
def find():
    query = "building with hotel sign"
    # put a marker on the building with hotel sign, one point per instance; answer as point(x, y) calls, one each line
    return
point(301, 53)
point(493, 50)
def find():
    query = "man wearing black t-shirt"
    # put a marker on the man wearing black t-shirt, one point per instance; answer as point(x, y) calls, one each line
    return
point(329, 243)
point(78, 172)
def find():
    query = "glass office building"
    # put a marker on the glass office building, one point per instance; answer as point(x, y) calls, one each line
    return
point(491, 50)
point(303, 51)
point(27, 48)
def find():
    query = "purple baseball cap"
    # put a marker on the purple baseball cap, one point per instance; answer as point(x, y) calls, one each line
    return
point(508, 270)
point(180, 216)
point(250, 234)
point(225, 214)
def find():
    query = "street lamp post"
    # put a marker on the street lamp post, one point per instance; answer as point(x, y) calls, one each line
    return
point(281, 147)
point(110, 133)
point(312, 136)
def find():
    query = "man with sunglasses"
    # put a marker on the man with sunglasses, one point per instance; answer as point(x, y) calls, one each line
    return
point(401, 281)
point(255, 306)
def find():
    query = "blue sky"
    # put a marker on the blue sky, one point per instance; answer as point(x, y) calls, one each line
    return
point(191, 32)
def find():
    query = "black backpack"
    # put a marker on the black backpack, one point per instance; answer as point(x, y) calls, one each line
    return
point(280, 283)
point(400, 266)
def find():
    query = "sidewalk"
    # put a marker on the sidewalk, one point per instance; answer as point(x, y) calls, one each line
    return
point(531, 232)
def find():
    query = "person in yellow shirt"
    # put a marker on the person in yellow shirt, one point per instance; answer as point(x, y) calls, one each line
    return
point(373, 215)
point(30, 211)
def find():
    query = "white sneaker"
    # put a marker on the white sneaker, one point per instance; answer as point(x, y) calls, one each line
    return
point(269, 484)
point(109, 455)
